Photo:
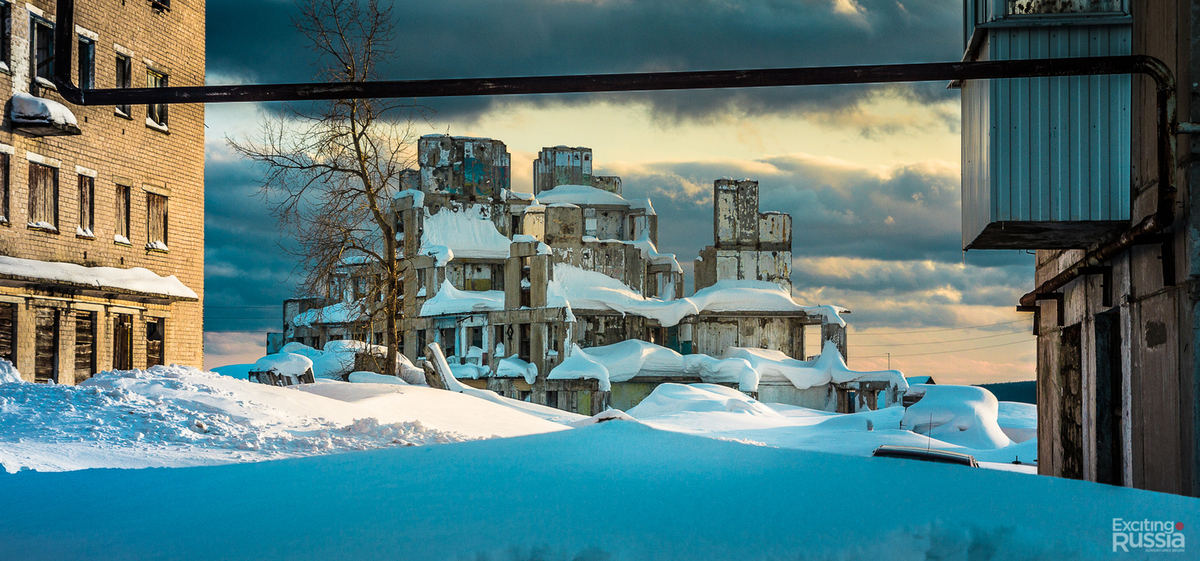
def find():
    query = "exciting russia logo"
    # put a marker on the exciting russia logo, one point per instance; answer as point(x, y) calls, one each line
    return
point(1149, 536)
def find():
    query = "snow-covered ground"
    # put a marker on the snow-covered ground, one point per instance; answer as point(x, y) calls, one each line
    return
point(356, 475)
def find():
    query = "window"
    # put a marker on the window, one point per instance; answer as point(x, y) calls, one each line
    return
point(8, 332)
point(4, 188)
point(156, 112)
point(87, 196)
point(41, 41)
point(156, 221)
point(121, 234)
point(85, 345)
point(43, 197)
point(5, 36)
point(87, 63)
point(45, 363)
point(124, 74)
point(1063, 6)
point(122, 343)
point(156, 330)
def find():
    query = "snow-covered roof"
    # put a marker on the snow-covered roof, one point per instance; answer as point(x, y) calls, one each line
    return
point(31, 110)
point(450, 300)
point(591, 290)
point(747, 367)
point(287, 364)
point(466, 234)
point(586, 195)
point(136, 280)
point(341, 312)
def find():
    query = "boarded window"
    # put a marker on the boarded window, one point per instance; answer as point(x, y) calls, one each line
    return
point(85, 345)
point(87, 202)
point(45, 364)
point(156, 112)
point(43, 195)
point(156, 219)
point(4, 188)
point(8, 332)
point(122, 225)
point(122, 342)
point(156, 331)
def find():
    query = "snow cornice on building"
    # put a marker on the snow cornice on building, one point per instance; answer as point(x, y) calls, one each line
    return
point(109, 282)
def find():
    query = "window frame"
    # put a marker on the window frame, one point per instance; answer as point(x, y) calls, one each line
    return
point(156, 113)
point(38, 39)
point(87, 207)
point(5, 36)
point(124, 194)
point(48, 202)
point(86, 80)
point(156, 202)
point(123, 80)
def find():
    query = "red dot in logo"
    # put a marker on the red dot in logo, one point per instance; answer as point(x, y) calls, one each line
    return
point(1179, 526)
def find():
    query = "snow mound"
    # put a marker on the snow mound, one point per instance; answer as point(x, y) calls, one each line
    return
point(962, 415)
point(604, 417)
point(287, 364)
point(27, 109)
point(828, 367)
point(669, 399)
point(373, 378)
point(513, 367)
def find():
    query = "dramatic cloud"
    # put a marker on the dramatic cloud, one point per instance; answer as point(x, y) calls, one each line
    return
point(253, 40)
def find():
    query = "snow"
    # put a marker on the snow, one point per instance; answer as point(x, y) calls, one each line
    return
point(136, 279)
point(450, 300)
point(650, 252)
point(286, 364)
point(155, 124)
point(465, 234)
point(580, 195)
point(157, 245)
point(42, 226)
point(181, 416)
point(84, 232)
point(418, 197)
point(590, 290)
point(374, 378)
point(828, 367)
point(341, 312)
point(27, 109)
point(962, 415)
point(612, 490)
point(513, 367)
point(1017, 420)
point(8, 373)
point(118, 238)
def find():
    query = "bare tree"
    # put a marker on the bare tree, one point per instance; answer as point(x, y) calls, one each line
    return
point(332, 168)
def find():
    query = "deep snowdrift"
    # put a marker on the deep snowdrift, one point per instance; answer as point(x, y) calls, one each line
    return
point(613, 490)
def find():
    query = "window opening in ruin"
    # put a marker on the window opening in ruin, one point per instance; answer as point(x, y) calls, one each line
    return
point(45, 363)
point(552, 399)
point(87, 202)
point(526, 293)
point(515, 228)
point(8, 332)
point(421, 342)
point(43, 196)
point(448, 340)
point(122, 342)
point(476, 337)
point(523, 342)
point(85, 345)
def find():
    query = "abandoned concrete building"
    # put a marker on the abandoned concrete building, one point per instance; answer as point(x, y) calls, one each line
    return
point(101, 207)
point(562, 298)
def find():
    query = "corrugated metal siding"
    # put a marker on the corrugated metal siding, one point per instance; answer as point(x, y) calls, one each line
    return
point(1047, 149)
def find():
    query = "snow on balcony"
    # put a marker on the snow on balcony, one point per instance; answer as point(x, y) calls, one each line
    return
point(38, 116)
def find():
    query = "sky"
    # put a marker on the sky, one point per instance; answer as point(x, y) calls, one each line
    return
point(870, 174)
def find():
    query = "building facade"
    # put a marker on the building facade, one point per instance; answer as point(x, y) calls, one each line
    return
point(1069, 166)
point(102, 234)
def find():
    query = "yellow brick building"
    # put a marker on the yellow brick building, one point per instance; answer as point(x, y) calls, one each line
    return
point(98, 215)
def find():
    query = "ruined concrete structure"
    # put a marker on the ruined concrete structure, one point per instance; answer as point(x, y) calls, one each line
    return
point(525, 293)
point(101, 208)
